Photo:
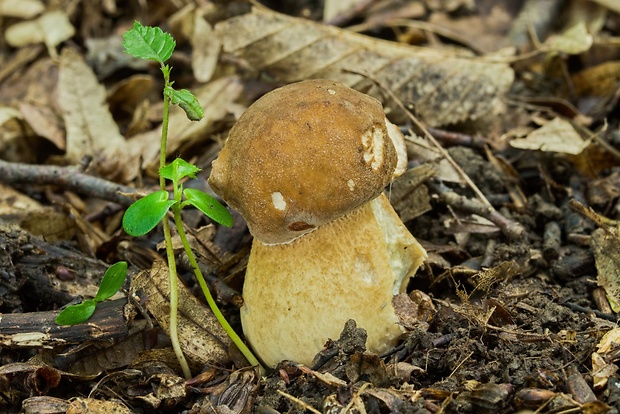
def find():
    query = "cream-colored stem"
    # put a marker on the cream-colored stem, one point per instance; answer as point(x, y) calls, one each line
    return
point(297, 295)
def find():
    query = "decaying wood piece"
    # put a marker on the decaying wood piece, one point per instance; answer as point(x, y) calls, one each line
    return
point(39, 329)
point(41, 274)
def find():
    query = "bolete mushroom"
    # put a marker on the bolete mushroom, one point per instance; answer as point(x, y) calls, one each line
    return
point(306, 165)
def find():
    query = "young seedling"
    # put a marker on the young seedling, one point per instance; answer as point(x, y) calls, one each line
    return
point(151, 43)
point(110, 284)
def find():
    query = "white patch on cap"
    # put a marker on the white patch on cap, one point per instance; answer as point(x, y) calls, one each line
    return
point(278, 201)
point(331, 91)
point(399, 145)
point(351, 185)
point(372, 140)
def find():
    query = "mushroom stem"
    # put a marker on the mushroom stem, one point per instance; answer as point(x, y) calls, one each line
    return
point(300, 294)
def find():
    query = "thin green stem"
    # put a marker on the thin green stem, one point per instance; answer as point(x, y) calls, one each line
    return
point(205, 289)
point(172, 268)
point(174, 302)
point(164, 127)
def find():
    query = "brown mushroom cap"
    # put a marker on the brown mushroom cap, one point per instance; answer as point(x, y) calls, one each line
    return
point(303, 155)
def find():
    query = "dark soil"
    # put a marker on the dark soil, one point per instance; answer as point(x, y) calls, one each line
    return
point(508, 317)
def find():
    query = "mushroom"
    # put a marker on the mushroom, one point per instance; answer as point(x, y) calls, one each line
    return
point(306, 165)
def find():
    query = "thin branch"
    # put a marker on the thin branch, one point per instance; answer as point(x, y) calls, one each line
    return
point(510, 228)
point(69, 178)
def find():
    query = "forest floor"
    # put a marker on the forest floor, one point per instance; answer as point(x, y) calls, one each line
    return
point(511, 116)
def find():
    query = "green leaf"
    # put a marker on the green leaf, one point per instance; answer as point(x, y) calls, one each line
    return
point(143, 215)
point(177, 170)
point(75, 314)
point(209, 206)
point(187, 101)
point(149, 43)
point(112, 281)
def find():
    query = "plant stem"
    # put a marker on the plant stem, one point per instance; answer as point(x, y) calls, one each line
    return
point(174, 302)
point(172, 268)
point(205, 289)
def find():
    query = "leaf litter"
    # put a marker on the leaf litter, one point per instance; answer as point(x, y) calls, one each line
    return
point(527, 109)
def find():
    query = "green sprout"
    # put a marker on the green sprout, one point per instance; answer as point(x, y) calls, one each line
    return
point(151, 43)
point(112, 281)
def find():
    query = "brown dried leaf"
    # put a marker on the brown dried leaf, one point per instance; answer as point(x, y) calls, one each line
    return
point(43, 404)
point(91, 130)
point(52, 28)
point(44, 122)
point(334, 7)
point(49, 223)
point(407, 194)
point(443, 87)
point(598, 80)
point(7, 114)
point(573, 41)
point(24, 9)
point(557, 135)
point(605, 243)
point(93, 406)
point(202, 337)
point(612, 5)
point(189, 24)
point(107, 358)
point(205, 49)
point(15, 205)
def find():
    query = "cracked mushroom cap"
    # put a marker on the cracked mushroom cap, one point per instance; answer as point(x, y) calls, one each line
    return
point(304, 155)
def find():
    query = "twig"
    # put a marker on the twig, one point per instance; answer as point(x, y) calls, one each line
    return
point(456, 138)
point(69, 178)
point(460, 364)
point(299, 402)
point(510, 228)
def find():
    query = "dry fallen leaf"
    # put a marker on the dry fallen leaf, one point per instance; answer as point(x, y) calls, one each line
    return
point(442, 87)
point(52, 28)
point(407, 194)
point(422, 150)
point(598, 80)
point(605, 243)
point(334, 7)
point(15, 205)
point(92, 406)
point(557, 135)
point(573, 41)
point(24, 9)
point(612, 5)
point(8, 113)
point(189, 24)
point(603, 361)
point(91, 130)
point(44, 122)
point(202, 338)
point(205, 49)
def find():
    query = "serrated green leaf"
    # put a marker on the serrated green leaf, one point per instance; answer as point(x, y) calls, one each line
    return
point(75, 314)
point(187, 101)
point(178, 169)
point(209, 206)
point(143, 215)
point(149, 43)
point(112, 281)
